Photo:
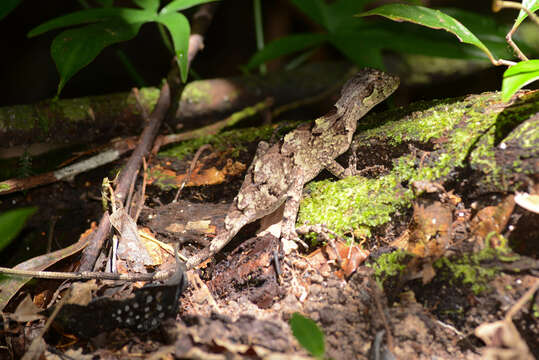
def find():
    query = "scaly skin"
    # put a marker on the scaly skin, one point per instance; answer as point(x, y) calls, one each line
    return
point(279, 172)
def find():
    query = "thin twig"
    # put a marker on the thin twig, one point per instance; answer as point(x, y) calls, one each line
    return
point(523, 300)
point(500, 62)
point(130, 193)
point(216, 127)
point(190, 171)
point(106, 157)
point(35, 350)
point(498, 5)
point(140, 106)
point(376, 292)
point(85, 275)
point(516, 49)
point(163, 246)
point(145, 143)
point(50, 236)
point(91, 252)
point(140, 204)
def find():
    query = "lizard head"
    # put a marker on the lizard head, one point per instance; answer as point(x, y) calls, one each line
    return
point(365, 90)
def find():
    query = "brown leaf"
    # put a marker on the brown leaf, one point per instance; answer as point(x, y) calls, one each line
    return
point(428, 234)
point(492, 219)
point(9, 285)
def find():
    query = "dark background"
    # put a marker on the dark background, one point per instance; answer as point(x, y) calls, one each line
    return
point(28, 73)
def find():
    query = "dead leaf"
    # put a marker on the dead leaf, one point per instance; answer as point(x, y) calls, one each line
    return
point(81, 292)
point(10, 285)
point(26, 311)
point(351, 256)
point(202, 226)
point(528, 202)
point(503, 341)
point(199, 176)
point(428, 234)
point(492, 219)
point(130, 248)
point(157, 250)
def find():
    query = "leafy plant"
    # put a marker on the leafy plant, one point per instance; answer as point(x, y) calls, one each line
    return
point(516, 77)
point(363, 41)
point(308, 335)
point(11, 223)
point(8, 6)
point(75, 48)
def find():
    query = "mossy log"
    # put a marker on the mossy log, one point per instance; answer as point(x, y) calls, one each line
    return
point(100, 118)
point(474, 145)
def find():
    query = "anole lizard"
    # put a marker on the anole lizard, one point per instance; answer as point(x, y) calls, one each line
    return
point(279, 172)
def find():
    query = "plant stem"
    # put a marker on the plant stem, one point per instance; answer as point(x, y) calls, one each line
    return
point(498, 5)
point(259, 29)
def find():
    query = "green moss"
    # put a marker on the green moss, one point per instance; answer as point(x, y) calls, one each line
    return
point(164, 181)
point(352, 205)
point(75, 109)
point(389, 265)
point(470, 269)
point(237, 138)
point(19, 117)
point(4, 187)
point(197, 92)
point(148, 97)
point(458, 133)
point(461, 132)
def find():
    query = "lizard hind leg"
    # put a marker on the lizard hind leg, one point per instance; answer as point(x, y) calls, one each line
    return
point(291, 207)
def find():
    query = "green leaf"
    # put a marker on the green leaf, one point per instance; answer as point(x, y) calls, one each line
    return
point(178, 5)
point(368, 54)
point(487, 30)
point(403, 38)
point(317, 10)
point(340, 14)
point(106, 3)
point(308, 335)
point(518, 76)
point(7, 6)
point(532, 5)
point(74, 49)
point(11, 223)
point(94, 15)
point(286, 46)
point(150, 5)
point(179, 29)
point(430, 18)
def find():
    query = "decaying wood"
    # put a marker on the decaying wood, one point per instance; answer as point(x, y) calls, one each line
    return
point(147, 138)
point(119, 147)
point(101, 118)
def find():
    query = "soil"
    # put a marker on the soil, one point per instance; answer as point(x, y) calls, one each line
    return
point(239, 307)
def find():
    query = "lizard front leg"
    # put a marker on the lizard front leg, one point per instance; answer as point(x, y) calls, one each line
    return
point(335, 168)
point(340, 172)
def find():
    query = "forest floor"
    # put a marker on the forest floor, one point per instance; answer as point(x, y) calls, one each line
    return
point(458, 254)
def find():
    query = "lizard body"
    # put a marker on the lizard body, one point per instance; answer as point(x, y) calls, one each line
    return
point(279, 171)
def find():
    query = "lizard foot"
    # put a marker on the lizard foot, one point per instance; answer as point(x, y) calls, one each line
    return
point(291, 242)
